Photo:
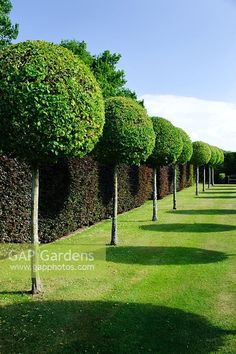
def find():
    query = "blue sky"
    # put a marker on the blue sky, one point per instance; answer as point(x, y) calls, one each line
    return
point(171, 50)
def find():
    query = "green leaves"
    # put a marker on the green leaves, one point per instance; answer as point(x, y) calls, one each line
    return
point(50, 104)
point(104, 67)
point(128, 135)
point(187, 150)
point(201, 153)
point(169, 144)
point(7, 30)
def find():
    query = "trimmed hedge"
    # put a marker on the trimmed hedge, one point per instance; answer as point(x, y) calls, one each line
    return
point(228, 167)
point(165, 180)
point(73, 193)
point(15, 200)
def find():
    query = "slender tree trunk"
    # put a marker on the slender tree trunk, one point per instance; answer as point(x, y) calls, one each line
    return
point(36, 283)
point(174, 188)
point(204, 179)
point(154, 215)
point(114, 237)
point(213, 176)
point(209, 177)
point(197, 180)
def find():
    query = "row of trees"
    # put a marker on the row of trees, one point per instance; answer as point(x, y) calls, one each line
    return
point(52, 107)
point(206, 155)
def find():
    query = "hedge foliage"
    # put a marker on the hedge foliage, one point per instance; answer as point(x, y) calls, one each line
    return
point(128, 135)
point(165, 179)
point(168, 145)
point(201, 153)
point(229, 167)
point(73, 193)
point(51, 105)
point(187, 149)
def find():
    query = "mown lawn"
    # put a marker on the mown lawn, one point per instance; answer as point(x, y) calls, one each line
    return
point(169, 287)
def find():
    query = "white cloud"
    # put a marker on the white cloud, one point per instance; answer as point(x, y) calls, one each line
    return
point(211, 121)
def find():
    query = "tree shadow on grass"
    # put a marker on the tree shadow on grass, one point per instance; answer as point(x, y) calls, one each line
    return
point(17, 292)
point(229, 186)
point(204, 212)
point(106, 327)
point(218, 196)
point(147, 255)
point(188, 227)
point(220, 192)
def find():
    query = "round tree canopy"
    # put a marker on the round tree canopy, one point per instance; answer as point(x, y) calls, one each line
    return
point(187, 150)
point(169, 144)
point(201, 153)
point(214, 155)
point(50, 103)
point(221, 157)
point(128, 135)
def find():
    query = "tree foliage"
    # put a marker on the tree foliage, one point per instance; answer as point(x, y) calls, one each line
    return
point(217, 156)
point(80, 49)
point(7, 30)
point(187, 150)
point(214, 155)
point(104, 67)
point(201, 153)
point(128, 135)
point(221, 157)
point(168, 144)
point(51, 105)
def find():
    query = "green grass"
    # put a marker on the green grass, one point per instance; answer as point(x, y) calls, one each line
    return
point(169, 287)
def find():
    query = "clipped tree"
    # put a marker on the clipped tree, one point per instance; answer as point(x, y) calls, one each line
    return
point(168, 147)
point(50, 107)
point(8, 32)
point(200, 157)
point(183, 158)
point(128, 137)
point(219, 161)
point(222, 157)
point(212, 162)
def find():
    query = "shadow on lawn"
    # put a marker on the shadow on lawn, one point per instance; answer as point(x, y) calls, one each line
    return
point(17, 292)
point(163, 255)
point(217, 196)
point(204, 212)
point(198, 227)
point(106, 327)
point(220, 192)
point(228, 186)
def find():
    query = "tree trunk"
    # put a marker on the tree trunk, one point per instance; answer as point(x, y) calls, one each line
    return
point(154, 215)
point(209, 177)
point(197, 181)
point(174, 188)
point(36, 283)
point(204, 179)
point(213, 176)
point(114, 238)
